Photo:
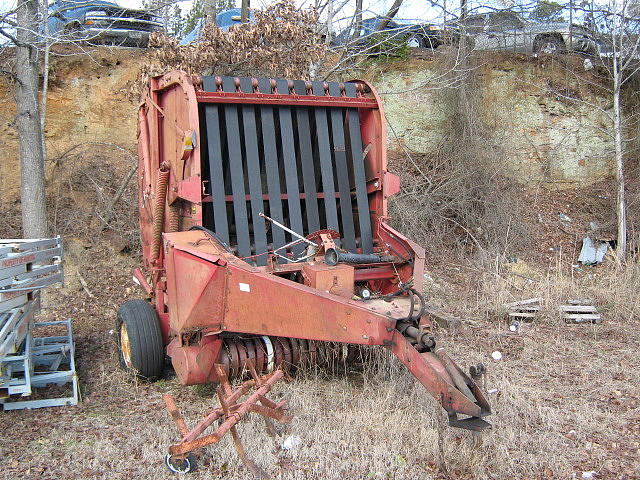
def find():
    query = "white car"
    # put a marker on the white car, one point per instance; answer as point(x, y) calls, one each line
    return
point(507, 30)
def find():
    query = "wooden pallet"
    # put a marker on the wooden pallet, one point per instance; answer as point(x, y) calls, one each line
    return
point(580, 311)
point(523, 310)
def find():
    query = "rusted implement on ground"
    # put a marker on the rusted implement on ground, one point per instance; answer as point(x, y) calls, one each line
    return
point(263, 211)
point(232, 410)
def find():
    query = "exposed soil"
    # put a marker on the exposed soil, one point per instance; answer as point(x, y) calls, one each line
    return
point(87, 104)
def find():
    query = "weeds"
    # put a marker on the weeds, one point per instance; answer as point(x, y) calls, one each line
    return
point(457, 199)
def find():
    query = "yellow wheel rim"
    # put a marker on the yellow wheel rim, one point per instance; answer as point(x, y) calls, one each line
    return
point(125, 346)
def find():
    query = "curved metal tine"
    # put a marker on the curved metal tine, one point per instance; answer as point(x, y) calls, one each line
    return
point(223, 379)
point(271, 429)
point(251, 465)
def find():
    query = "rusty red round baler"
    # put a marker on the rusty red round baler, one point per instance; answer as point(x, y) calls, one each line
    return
point(263, 216)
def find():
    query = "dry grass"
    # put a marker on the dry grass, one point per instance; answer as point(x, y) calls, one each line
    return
point(567, 400)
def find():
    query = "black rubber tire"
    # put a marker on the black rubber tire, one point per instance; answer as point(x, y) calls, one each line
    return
point(541, 44)
point(146, 357)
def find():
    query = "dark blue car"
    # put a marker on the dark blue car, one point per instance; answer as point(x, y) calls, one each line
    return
point(101, 22)
point(416, 34)
point(225, 20)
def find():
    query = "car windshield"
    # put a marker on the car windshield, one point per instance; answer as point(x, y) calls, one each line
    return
point(502, 21)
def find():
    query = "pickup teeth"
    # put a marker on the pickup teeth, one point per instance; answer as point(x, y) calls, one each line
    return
point(269, 353)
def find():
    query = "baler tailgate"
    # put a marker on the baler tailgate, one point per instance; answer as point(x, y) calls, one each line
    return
point(288, 149)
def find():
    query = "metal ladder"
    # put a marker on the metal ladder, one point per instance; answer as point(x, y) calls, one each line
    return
point(28, 361)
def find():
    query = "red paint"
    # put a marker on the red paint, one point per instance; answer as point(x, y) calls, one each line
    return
point(200, 289)
point(280, 100)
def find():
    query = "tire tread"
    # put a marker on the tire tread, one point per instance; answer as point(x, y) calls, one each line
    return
point(145, 337)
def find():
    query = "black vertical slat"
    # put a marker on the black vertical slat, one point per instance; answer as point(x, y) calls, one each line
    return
point(342, 172)
point(271, 165)
point(290, 167)
point(359, 177)
point(214, 150)
point(306, 159)
point(253, 172)
point(326, 167)
point(237, 171)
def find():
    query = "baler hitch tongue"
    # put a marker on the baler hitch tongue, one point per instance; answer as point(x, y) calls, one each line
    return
point(457, 393)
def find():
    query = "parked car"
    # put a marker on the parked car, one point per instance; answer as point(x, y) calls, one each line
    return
point(506, 30)
point(416, 35)
point(102, 22)
point(225, 20)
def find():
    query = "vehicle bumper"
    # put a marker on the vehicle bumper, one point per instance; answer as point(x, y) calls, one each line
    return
point(579, 43)
point(117, 36)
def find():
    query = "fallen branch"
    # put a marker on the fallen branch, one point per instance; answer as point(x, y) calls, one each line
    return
point(83, 283)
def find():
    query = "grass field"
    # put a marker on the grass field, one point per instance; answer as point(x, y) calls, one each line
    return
point(567, 401)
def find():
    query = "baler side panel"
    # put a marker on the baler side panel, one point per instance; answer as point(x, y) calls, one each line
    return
point(195, 291)
point(290, 165)
point(252, 155)
point(265, 304)
point(270, 151)
point(356, 152)
point(216, 172)
point(373, 128)
point(324, 158)
point(306, 157)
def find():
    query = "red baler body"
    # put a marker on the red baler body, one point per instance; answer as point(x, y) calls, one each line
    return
point(217, 152)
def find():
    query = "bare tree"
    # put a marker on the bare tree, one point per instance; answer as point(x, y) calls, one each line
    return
point(620, 50)
point(32, 193)
point(357, 24)
point(245, 11)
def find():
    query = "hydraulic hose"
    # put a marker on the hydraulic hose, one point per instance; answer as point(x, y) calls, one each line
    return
point(213, 234)
point(332, 257)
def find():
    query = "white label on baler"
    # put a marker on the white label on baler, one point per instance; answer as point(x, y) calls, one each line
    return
point(244, 287)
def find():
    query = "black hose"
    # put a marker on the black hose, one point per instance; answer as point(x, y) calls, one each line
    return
point(413, 306)
point(423, 305)
point(213, 234)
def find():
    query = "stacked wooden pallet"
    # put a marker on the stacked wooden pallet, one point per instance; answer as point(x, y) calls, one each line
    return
point(523, 310)
point(580, 311)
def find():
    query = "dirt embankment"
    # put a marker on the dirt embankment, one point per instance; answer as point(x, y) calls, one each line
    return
point(86, 104)
point(548, 115)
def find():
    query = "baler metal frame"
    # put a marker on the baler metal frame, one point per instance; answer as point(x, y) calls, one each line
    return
point(219, 154)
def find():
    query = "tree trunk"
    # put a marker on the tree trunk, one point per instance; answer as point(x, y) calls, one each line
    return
point(209, 10)
point(357, 24)
point(329, 36)
point(245, 6)
point(45, 74)
point(465, 113)
point(621, 250)
point(34, 217)
point(390, 14)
